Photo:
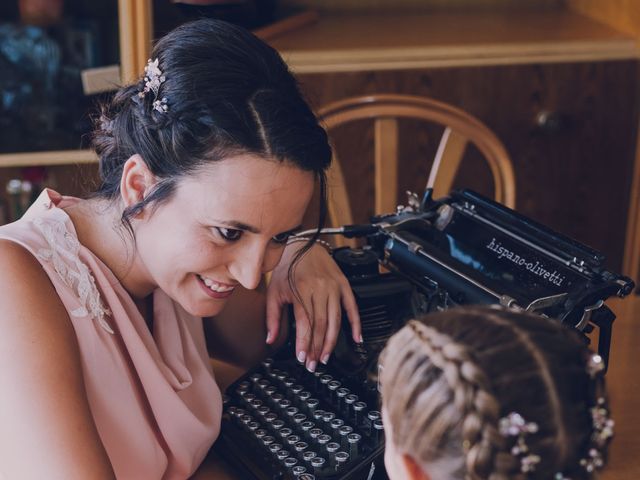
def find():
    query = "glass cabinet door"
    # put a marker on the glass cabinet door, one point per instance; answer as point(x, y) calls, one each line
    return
point(58, 58)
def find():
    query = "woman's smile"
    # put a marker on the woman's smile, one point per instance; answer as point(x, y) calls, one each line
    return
point(215, 289)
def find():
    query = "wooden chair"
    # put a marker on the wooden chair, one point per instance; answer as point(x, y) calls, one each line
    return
point(461, 128)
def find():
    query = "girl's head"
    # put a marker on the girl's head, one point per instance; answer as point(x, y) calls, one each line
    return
point(235, 140)
point(456, 384)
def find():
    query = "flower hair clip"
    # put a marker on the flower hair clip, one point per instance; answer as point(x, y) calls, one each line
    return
point(152, 80)
point(514, 425)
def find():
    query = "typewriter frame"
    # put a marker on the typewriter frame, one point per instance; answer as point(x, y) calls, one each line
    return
point(432, 266)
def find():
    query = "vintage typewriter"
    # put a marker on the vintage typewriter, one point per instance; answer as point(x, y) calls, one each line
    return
point(283, 422)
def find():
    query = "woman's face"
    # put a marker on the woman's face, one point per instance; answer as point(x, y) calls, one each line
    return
point(225, 226)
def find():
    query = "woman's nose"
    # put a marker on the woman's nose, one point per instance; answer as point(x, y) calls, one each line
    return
point(252, 263)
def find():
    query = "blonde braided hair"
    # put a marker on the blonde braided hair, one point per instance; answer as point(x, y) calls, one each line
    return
point(448, 378)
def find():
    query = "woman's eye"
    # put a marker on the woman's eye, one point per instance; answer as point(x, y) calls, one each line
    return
point(229, 234)
point(281, 238)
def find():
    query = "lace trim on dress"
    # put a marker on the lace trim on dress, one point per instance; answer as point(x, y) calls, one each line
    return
point(64, 255)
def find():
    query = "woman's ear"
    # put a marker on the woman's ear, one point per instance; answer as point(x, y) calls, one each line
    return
point(414, 470)
point(136, 181)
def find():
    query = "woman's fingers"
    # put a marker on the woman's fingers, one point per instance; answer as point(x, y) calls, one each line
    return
point(319, 301)
point(303, 331)
point(333, 327)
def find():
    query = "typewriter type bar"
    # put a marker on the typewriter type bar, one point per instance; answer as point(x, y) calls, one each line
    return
point(470, 250)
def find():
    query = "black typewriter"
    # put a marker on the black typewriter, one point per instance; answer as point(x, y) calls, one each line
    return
point(283, 422)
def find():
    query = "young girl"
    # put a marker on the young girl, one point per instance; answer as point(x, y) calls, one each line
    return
point(487, 393)
point(207, 164)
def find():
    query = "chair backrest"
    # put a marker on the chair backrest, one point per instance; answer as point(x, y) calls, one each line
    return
point(385, 110)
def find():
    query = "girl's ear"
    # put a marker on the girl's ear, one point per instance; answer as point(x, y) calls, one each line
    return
point(414, 470)
point(136, 181)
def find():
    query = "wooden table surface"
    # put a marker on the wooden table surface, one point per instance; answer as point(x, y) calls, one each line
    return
point(623, 383)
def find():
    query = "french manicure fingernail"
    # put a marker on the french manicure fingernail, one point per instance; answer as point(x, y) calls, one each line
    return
point(325, 359)
point(268, 340)
point(312, 366)
point(360, 339)
point(302, 355)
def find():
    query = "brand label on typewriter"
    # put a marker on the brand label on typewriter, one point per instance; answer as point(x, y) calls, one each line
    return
point(535, 267)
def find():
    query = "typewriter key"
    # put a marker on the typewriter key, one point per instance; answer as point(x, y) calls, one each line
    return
point(263, 410)
point(280, 375)
point(358, 412)
point(282, 454)
point(349, 401)
point(232, 410)
point(275, 448)
point(315, 433)
point(261, 433)
point(325, 379)
point(243, 387)
point(264, 383)
point(324, 439)
point(298, 470)
point(268, 440)
point(318, 464)
point(270, 390)
point(246, 419)
point(373, 415)
point(333, 386)
point(291, 411)
point(340, 394)
point(285, 403)
point(341, 458)
point(285, 432)
point(248, 397)
point(240, 412)
point(354, 443)
point(293, 439)
point(267, 364)
point(270, 417)
point(328, 416)
point(289, 382)
point(378, 429)
point(308, 456)
point(332, 447)
point(277, 424)
point(290, 462)
point(307, 426)
point(300, 446)
point(319, 414)
point(312, 404)
point(299, 418)
point(304, 395)
point(277, 398)
point(344, 431)
point(336, 423)
point(253, 426)
point(306, 476)
point(297, 389)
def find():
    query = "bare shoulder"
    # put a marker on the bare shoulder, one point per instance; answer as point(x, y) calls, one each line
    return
point(46, 409)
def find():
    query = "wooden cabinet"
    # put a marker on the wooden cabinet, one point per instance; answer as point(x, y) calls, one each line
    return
point(558, 89)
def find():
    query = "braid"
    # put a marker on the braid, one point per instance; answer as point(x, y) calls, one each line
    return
point(454, 375)
point(473, 396)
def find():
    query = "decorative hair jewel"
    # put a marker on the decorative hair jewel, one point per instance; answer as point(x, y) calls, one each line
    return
point(153, 79)
point(595, 365)
point(514, 425)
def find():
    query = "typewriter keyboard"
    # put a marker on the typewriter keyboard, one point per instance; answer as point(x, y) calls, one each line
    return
point(281, 421)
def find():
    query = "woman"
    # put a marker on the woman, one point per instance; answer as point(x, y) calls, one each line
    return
point(488, 393)
point(207, 164)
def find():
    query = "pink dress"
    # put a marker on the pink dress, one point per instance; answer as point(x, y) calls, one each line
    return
point(154, 399)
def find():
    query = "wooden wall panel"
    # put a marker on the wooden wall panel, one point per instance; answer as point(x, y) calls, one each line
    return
point(573, 176)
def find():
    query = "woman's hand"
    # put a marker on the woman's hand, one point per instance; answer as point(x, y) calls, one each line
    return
point(322, 292)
